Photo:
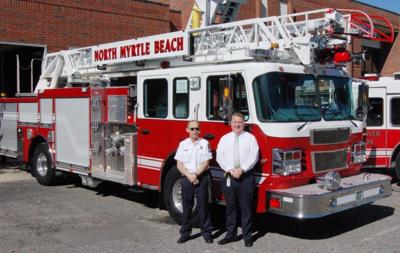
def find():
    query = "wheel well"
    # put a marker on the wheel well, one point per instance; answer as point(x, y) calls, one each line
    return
point(394, 155)
point(36, 141)
point(170, 162)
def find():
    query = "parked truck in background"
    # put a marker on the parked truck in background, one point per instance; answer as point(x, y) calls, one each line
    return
point(383, 123)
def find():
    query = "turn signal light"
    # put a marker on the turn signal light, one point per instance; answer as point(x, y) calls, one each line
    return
point(274, 203)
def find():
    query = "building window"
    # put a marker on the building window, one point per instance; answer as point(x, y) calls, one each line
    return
point(375, 112)
point(155, 98)
point(395, 111)
point(181, 98)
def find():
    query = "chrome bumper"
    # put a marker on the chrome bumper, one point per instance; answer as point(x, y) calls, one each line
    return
point(311, 201)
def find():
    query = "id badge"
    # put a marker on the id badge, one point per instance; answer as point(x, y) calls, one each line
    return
point(228, 181)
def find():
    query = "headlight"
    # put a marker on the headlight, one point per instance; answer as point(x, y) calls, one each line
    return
point(330, 181)
point(286, 162)
point(358, 152)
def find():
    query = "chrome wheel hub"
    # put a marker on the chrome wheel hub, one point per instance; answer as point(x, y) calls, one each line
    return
point(41, 165)
point(177, 197)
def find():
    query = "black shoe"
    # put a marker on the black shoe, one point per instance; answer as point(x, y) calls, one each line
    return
point(208, 240)
point(182, 239)
point(248, 243)
point(227, 240)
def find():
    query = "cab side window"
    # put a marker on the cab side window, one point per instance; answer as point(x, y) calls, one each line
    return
point(375, 112)
point(217, 96)
point(181, 98)
point(155, 93)
point(395, 111)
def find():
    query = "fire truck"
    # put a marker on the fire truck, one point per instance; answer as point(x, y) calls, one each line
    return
point(382, 122)
point(117, 111)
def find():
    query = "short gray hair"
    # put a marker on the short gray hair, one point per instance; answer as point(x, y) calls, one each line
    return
point(237, 114)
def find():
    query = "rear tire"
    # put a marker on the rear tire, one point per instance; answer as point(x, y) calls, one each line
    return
point(173, 198)
point(42, 165)
point(397, 167)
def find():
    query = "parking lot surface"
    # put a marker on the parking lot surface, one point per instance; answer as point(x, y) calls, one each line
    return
point(71, 218)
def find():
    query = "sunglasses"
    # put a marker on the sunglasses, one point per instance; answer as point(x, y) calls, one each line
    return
point(194, 128)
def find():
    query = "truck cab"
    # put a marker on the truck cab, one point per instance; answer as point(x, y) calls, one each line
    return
point(383, 123)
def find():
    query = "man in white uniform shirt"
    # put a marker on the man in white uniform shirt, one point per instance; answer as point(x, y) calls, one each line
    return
point(237, 154)
point(192, 159)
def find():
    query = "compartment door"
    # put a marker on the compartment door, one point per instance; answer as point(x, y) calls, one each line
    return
point(72, 132)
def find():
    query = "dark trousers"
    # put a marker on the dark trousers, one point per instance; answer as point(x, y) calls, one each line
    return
point(239, 199)
point(189, 192)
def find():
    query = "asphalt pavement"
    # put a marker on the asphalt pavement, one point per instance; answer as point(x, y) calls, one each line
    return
point(71, 218)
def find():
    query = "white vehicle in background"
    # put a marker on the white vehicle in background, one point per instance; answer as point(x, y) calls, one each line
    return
point(383, 122)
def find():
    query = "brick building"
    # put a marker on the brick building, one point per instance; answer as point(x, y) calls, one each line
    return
point(30, 27)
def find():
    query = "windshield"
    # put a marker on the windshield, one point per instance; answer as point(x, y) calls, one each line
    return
point(336, 98)
point(286, 97)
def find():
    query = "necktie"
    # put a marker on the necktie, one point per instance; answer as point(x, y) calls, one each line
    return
point(236, 157)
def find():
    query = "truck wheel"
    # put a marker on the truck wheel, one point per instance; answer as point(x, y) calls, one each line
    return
point(397, 167)
point(173, 197)
point(41, 165)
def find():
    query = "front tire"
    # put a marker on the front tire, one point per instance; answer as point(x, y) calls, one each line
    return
point(42, 165)
point(173, 198)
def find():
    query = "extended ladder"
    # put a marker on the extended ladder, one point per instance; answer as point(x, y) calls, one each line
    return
point(294, 38)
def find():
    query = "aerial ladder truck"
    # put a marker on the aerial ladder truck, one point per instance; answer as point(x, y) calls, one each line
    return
point(117, 111)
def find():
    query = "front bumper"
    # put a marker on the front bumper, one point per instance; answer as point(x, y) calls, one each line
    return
point(311, 201)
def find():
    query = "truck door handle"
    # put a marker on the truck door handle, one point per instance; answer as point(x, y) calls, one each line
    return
point(145, 131)
point(209, 136)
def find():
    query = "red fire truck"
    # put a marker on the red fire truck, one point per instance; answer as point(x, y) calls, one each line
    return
point(383, 132)
point(117, 111)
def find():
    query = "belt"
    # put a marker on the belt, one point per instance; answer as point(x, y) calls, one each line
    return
point(249, 172)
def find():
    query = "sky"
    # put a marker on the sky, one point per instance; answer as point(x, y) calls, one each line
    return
point(391, 5)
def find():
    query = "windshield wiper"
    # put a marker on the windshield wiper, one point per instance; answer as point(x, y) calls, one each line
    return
point(303, 125)
point(352, 122)
point(336, 112)
point(331, 110)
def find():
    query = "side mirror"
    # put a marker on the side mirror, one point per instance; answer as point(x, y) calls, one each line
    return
point(360, 113)
point(363, 101)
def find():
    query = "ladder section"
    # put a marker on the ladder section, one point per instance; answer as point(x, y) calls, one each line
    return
point(105, 60)
point(226, 11)
point(373, 27)
point(206, 12)
point(290, 38)
point(300, 38)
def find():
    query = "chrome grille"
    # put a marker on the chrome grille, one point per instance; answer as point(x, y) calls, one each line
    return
point(330, 136)
point(329, 160)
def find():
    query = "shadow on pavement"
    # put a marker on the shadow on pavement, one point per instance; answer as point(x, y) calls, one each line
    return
point(105, 189)
point(312, 229)
point(7, 163)
point(321, 228)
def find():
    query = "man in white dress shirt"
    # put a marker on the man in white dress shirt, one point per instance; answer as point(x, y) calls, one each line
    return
point(237, 154)
point(192, 158)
